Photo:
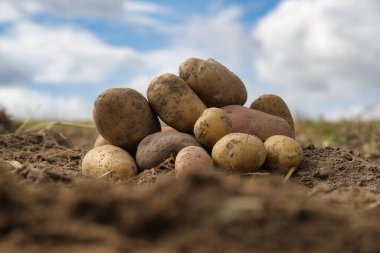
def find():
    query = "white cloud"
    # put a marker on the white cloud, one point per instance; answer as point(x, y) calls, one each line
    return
point(139, 13)
point(22, 102)
point(64, 55)
point(219, 35)
point(328, 49)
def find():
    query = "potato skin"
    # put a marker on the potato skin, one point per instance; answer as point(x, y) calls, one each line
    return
point(214, 84)
point(192, 159)
point(239, 152)
point(100, 141)
point(175, 102)
point(212, 125)
point(155, 148)
point(263, 125)
point(106, 158)
point(123, 117)
point(283, 153)
point(274, 105)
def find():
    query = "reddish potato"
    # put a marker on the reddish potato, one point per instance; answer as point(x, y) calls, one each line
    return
point(192, 159)
point(263, 125)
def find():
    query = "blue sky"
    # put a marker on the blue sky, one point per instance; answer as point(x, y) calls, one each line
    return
point(56, 56)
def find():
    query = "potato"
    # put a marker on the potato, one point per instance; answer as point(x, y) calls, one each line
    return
point(274, 105)
point(192, 159)
point(100, 141)
point(167, 129)
point(109, 159)
point(155, 148)
point(214, 84)
point(283, 153)
point(263, 125)
point(123, 117)
point(239, 152)
point(213, 124)
point(175, 102)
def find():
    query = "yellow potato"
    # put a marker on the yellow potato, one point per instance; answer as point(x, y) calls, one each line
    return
point(175, 102)
point(124, 117)
point(100, 141)
point(212, 125)
point(283, 153)
point(214, 84)
point(192, 159)
point(109, 160)
point(239, 152)
point(274, 105)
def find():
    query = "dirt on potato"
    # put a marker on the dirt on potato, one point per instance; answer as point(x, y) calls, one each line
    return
point(331, 204)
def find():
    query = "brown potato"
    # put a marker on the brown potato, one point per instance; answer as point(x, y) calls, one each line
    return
point(263, 125)
point(100, 141)
point(123, 117)
point(283, 153)
point(192, 159)
point(239, 152)
point(274, 105)
point(214, 84)
point(175, 102)
point(212, 125)
point(155, 148)
point(109, 160)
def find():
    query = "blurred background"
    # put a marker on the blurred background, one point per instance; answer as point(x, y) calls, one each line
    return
point(321, 56)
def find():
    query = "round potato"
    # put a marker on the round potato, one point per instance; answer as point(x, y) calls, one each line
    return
point(109, 160)
point(123, 117)
point(100, 141)
point(239, 152)
point(192, 159)
point(155, 148)
point(260, 124)
point(214, 84)
point(283, 153)
point(274, 105)
point(175, 102)
point(212, 125)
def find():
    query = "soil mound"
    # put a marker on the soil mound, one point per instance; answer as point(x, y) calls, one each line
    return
point(331, 204)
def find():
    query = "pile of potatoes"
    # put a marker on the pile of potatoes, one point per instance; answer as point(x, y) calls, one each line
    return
point(207, 126)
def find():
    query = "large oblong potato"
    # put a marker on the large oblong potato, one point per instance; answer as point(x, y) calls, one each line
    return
point(283, 153)
point(239, 152)
point(109, 159)
point(175, 102)
point(212, 125)
point(124, 117)
point(261, 124)
point(214, 84)
point(274, 105)
point(155, 148)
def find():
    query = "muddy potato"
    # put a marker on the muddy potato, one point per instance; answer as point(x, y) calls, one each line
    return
point(283, 153)
point(156, 148)
point(214, 84)
point(175, 102)
point(109, 159)
point(274, 105)
point(192, 159)
point(212, 125)
point(239, 152)
point(124, 117)
point(100, 141)
point(260, 124)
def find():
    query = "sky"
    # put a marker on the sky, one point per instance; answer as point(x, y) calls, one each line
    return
point(321, 56)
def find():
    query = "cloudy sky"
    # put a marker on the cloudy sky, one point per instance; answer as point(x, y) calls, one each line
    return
point(321, 56)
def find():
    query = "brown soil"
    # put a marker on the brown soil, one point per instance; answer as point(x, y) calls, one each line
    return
point(331, 204)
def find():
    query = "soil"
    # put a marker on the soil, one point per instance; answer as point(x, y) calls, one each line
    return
point(330, 204)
